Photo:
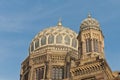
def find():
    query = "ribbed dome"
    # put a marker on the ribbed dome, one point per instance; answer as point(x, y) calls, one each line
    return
point(89, 23)
point(57, 35)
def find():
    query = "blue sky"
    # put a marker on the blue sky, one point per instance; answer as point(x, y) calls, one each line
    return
point(21, 20)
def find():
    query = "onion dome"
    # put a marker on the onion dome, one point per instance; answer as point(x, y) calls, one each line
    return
point(55, 36)
point(89, 23)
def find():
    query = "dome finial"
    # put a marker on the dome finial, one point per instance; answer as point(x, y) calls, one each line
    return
point(59, 22)
point(89, 15)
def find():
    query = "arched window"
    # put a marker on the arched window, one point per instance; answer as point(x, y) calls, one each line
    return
point(39, 73)
point(74, 43)
point(95, 43)
point(26, 76)
point(43, 40)
point(59, 39)
point(37, 43)
point(57, 73)
point(67, 40)
point(50, 39)
point(32, 46)
point(88, 45)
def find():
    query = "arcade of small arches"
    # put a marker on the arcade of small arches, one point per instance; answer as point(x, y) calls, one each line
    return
point(54, 40)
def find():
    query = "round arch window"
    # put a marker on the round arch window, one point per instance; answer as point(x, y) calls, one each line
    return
point(74, 42)
point(59, 39)
point(43, 40)
point(37, 43)
point(67, 40)
point(32, 46)
point(50, 39)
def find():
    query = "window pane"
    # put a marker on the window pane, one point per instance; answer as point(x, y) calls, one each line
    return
point(37, 43)
point(50, 39)
point(43, 40)
point(26, 76)
point(59, 39)
point(32, 46)
point(95, 43)
point(53, 73)
point(67, 40)
point(39, 73)
point(96, 46)
point(57, 73)
point(88, 45)
point(74, 43)
point(60, 73)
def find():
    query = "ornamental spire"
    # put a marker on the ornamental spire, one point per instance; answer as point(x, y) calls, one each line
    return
point(59, 23)
point(89, 15)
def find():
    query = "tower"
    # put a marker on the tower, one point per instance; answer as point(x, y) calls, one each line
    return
point(91, 64)
point(90, 39)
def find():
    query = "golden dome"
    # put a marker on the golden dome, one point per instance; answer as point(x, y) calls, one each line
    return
point(55, 36)
point(90, 23)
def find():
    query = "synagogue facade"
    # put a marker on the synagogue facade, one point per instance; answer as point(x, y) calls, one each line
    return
point(59, 53)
